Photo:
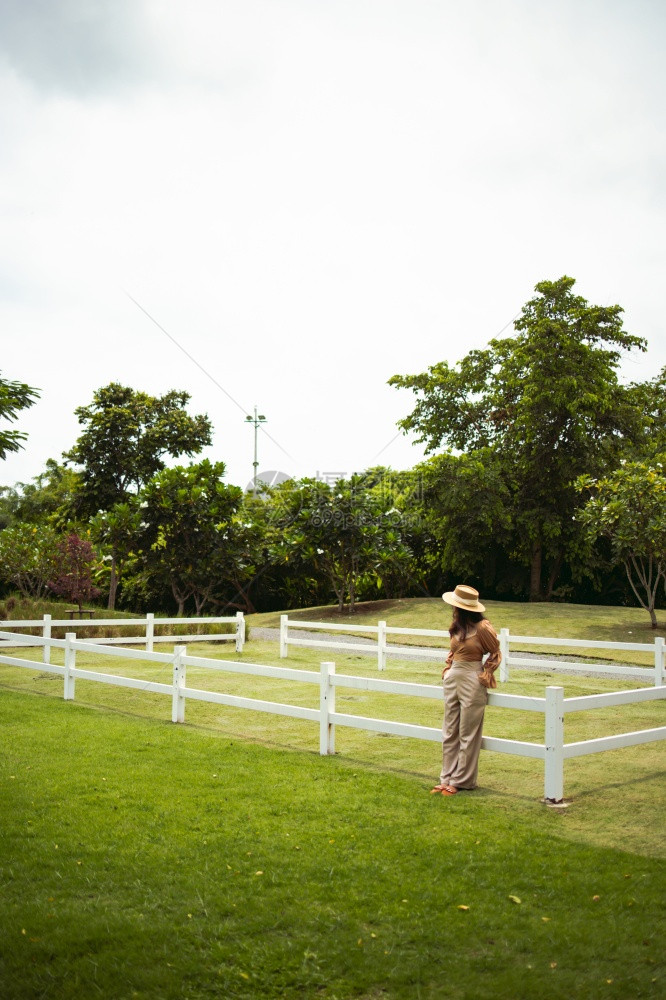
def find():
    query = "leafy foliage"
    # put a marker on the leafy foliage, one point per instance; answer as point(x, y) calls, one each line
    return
point(48, 499)
point(344, 531)
point(629, 508)
point(188, 536)
point(73, 577)
point(126, 435)
point(29, 557)
point(548, 403)
point(14, 397)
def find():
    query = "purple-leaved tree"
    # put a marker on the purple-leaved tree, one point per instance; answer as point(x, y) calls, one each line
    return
point(73, 580)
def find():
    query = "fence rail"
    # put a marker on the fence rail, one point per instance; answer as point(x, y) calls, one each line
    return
point(47, 623)
point(382, 650)
point(553, 751)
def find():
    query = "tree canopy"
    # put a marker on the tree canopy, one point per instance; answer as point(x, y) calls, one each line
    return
point(629, 508)
point(186, 526)
point(127, 434)
point(548, 402)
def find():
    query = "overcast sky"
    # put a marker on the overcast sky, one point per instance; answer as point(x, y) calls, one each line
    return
point(309, 196)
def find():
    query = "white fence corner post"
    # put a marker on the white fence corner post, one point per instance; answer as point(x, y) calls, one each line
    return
point(46, 632)
point(554, 750)
point(504, 650)
point(240, 631)
point(381, 645)
point(70, 665)
point(150, 631)
point(326, 707)
point(178, 698)
point(658, 661)
point(284, 625)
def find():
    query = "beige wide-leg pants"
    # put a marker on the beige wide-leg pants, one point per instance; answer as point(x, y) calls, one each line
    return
point(464, 704)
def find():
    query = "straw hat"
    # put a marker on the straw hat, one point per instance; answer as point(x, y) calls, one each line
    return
point(464, 597)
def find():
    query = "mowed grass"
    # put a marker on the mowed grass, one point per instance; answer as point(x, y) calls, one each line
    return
point(225, 858)
point(143, 859)
point(617, 797)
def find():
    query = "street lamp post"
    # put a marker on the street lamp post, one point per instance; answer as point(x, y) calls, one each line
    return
point(256, 420)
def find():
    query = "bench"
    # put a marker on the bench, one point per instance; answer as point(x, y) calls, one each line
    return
point(70, 612)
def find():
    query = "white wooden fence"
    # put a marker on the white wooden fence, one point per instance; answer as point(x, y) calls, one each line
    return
point(382, 650)
point(147, 625)
point(553, 751)
point(646, 674)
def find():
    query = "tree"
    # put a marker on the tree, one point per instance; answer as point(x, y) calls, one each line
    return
point(29, 557)
point(187, 520)
point(650, 399)
point(127, 434)
point(629, 508)
point(344, 531)
point(48, 499)
point(466, 510)
point(117, 530)
point(14, 397)
point(548, 403)
point(73, 577)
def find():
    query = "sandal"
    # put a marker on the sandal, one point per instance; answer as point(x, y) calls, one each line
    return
point(449, 790)
point(437, 788)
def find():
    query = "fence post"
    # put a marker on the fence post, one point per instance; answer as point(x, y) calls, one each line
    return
point(70, 664)
point(46, 632)
point(504, 650)
point(284, 625)
point(150, 631)
point(240, 631)
point(658, 661)
point(178, 699)
point(554, 757)
point(326, 706)
point(381, 646)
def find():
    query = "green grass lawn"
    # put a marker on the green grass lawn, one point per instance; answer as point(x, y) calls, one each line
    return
point(225, 858)
point(142, 859)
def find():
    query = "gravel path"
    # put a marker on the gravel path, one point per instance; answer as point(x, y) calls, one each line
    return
point(340, 638)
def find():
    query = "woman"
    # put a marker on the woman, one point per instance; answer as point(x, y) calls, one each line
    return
point(466, 682)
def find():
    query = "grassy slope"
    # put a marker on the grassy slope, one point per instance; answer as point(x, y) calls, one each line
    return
point(141, 859)
point(571, 621)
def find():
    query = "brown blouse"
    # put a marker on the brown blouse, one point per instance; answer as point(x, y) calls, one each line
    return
point(475, 645)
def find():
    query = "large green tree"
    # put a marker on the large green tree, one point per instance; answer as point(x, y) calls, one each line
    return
point(47, 499)
point(345, 531)
point(628, 507)
point(29, 557)
point(466, 512)
point(650, 398)
point(186, 537)
point(549, 404)
point(126, 437)
point(116, 531)
point(14, 397)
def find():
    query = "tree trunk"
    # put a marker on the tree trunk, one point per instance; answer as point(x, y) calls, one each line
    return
point(649, 577)
point(552, 577)
point(535, 572)
point(179, 598)
point(113, 583)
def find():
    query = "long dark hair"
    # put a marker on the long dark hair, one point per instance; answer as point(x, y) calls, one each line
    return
point(462, 620)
